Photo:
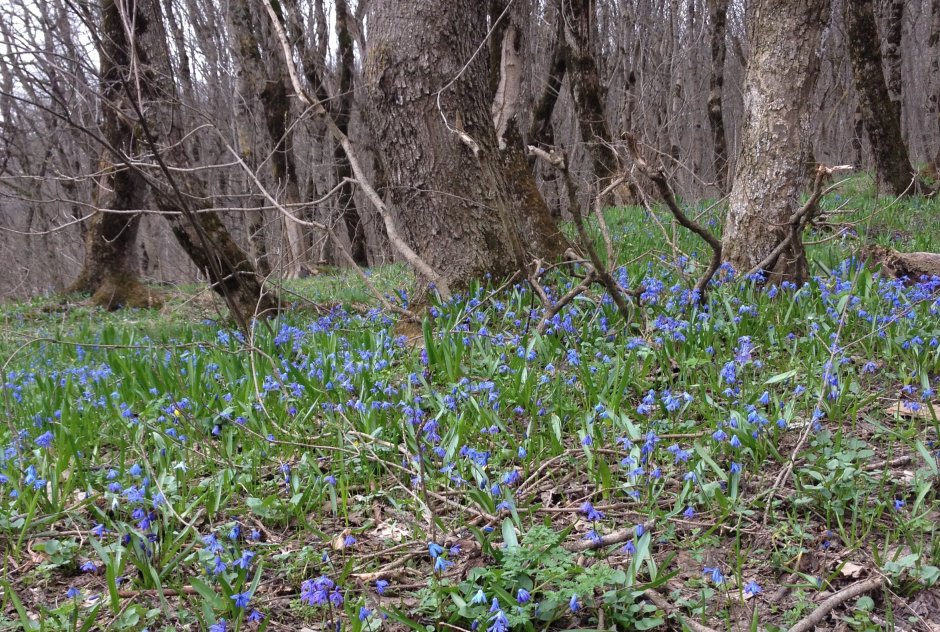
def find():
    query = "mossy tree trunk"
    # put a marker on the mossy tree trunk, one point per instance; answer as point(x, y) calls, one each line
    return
point(149, 101)
point(881, 113)
point(110, 267)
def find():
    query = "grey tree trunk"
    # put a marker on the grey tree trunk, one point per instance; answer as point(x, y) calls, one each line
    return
point(151, 98)
point(933, 94)
point(250, 76)
point(719, 16)
point(881, 114)
point(781, 76)
point(109, 271)
point(587, 92)
point(432, 123)
point(343, 113)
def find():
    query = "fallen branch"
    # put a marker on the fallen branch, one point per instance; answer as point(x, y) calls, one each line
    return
point(858, 589)
point(616, 537)
point(658, 177)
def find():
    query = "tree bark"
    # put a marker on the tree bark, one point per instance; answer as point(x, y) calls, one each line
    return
point(250, 77)
point(109, 271)
point(933, 93)
point(881, 115)
point(779, 85)
point(432, 123)
point(537, 224)
point(716, 81)
point(344, 104)
point(151, 98)
point(587, 92)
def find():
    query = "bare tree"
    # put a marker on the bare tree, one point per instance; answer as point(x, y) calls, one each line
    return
point(781, 77)
point(718, 9)
point(881, 114)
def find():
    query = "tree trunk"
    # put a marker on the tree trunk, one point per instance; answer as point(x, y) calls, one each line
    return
point(716, 82)
point(431, 118)
point(537, 224)
point(151, 97)
point(250, 77)
point(344, 103)
point(933, 92)
point(109, 271)
point(882, 116)
point(587, 93)
point(779, 85)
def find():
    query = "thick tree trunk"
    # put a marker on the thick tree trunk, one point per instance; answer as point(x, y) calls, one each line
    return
point(431, 118)
point(882, 116)
point(933, 93)
point(344, 104)
point(716, 81)
point(587, 93)
point(109, 271)
point(250, 77)
point(540, 231)
point(151, 97)
point(781, 76)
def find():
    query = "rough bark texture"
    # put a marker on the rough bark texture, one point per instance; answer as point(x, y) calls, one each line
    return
point(910, 266)
point(344, 103)
point(882, 116)
point(893, 11)
point(109, 270)
point(719, 15)
point(586, 91)
point(153, 93)
point(933, 94)
point(781, 76)
point(250, 77)
point(539, 229)
point(446, 180)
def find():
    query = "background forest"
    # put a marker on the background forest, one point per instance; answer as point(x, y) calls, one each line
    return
point(461, 315)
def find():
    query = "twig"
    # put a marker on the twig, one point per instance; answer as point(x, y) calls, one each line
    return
point(813, 619)
point(617, 537)
point(800, 218)
point(663, 604)
point(658, 178)
point(613, 288)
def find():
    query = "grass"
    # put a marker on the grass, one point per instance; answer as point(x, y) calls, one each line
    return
point(342, 469)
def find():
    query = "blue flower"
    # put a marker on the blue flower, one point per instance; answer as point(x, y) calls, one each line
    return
point(89, 567)
point(898, 503)
point(574, 605)
point(44, 440)
point(220, 626)
point(591, 513)
point(752, 588)
point(523, 596)
point(72, 592)
point(241, 599)
point(715, 574)
point(435, 549)
point(364, 613)
point(478, 597)
point(255, 616)
point(380, 586)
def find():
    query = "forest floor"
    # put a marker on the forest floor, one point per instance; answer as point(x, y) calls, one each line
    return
point(742, 464)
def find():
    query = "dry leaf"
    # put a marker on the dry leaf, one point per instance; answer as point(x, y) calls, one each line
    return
point(913, 410)
point(851, 570)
